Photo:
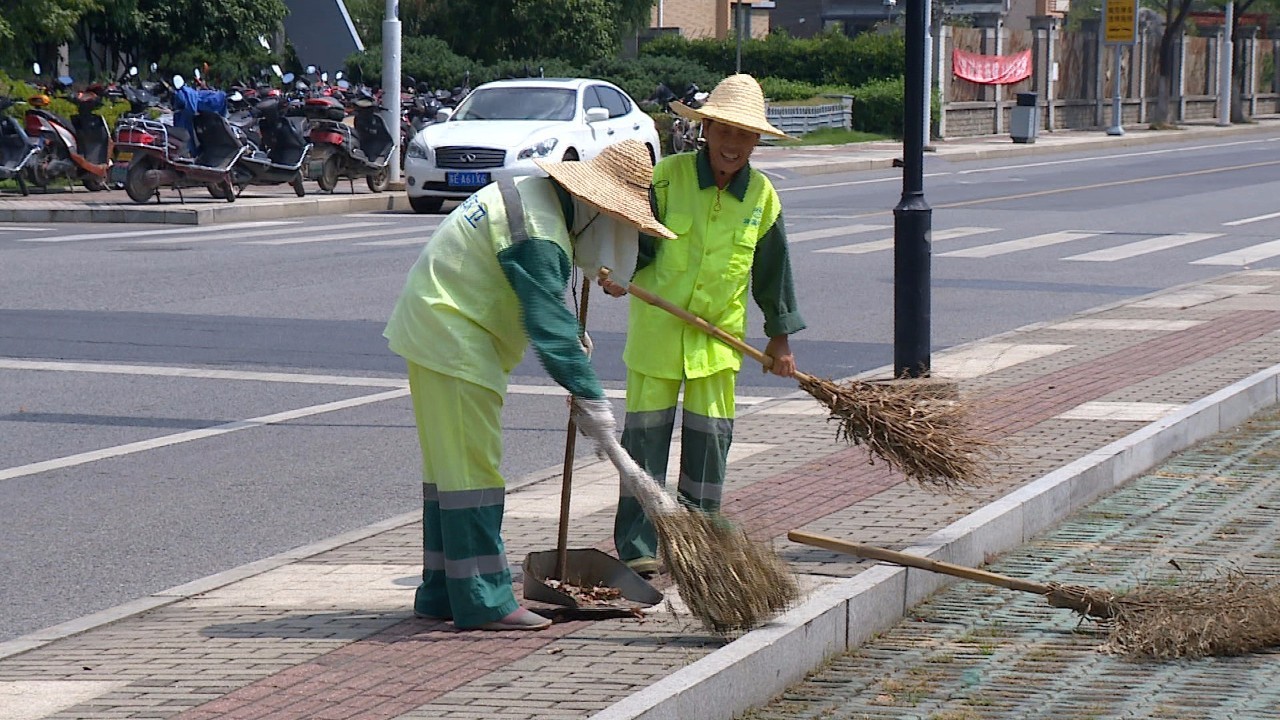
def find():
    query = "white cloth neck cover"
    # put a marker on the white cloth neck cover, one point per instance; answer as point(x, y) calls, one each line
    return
point(600, 241)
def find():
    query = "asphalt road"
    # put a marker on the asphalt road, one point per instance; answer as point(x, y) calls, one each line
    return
point(241, 402)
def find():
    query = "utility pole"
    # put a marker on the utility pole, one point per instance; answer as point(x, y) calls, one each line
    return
point(391, 84)
point(737, 34)
point(912, 218)
point(1224, 66)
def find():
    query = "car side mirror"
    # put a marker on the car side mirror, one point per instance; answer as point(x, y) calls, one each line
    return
point(596, 114)
point(443, 114)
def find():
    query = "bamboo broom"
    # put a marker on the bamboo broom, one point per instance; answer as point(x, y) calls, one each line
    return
point(929, 441)
point(729, 581)
point(1231, 615)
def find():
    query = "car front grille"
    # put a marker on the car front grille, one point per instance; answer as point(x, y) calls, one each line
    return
point(470, 158)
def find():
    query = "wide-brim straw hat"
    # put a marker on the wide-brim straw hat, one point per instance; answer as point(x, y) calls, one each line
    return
point(737, 101)
point(616, 182)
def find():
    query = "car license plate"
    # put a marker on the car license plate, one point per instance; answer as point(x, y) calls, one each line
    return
point(466, 179)
point(124, 157)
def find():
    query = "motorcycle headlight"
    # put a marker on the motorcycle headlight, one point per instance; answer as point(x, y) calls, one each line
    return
point(540, 150)
point(417, 150)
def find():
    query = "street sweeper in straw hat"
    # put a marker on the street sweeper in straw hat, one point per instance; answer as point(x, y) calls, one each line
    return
point(491, 281)
point(728, 219)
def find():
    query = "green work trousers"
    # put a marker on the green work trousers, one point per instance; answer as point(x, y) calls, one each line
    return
point(464, 562)
point(705, 436)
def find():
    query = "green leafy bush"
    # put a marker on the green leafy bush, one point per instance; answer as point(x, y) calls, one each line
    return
point(425, 59)
point(828, 59)
point(877, 107)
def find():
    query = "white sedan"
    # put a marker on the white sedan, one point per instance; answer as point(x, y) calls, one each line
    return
point(503, 126)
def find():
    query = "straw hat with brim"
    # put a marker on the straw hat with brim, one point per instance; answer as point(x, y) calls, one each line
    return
point(737, 101)
point(615, 182)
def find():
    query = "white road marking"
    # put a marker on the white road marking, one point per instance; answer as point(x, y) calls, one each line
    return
point(356, 231)
point(182, 437)
point(887, 243)
point(851, 183)
point(1012, 246)
point(1142, 247)
point(1243, 256)
point(214, 234)
point(1073, 161)
point(833, 232)
point(1255, 218)
point(1198, 295)
point(279, 377)
point(22, 228)
point(168, 231)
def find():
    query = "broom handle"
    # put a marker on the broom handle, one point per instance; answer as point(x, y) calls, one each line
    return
point(570, 443)
point(708, 328)
point(915, 561)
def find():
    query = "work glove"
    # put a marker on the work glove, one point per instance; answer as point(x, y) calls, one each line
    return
point(594, 417)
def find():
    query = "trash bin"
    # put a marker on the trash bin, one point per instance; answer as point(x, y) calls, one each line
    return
point(1024, 118)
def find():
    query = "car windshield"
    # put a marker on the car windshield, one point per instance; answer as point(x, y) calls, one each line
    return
point(518, 103)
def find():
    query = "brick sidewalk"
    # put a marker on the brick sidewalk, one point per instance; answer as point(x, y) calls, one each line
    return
point(330, 634)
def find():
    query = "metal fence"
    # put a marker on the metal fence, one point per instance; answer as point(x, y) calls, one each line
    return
point(796, 120)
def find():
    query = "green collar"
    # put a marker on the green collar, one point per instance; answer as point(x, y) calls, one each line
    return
point(737, 186)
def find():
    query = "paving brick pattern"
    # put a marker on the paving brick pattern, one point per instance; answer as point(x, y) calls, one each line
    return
point(974, 651)
point(318, 648)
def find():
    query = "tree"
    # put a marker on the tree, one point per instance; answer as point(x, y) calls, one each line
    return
point(493, 30)
point(41, 25)
point(1238, 80)
point(1175, 18)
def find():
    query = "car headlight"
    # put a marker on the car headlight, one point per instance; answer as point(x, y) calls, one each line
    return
point(540, 150)
point(417, 150)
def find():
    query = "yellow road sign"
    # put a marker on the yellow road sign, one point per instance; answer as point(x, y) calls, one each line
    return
point(1120, 21)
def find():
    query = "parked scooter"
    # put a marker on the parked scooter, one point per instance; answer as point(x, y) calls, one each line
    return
point(79, 149)
point(16, 149)
point(342, 150)
point(278, 150)
point(175, 156)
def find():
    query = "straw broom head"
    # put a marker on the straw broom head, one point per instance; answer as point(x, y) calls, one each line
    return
point(729, 581)
point(931, 441)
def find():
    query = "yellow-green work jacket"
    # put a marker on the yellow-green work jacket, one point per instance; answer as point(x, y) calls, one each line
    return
point(726, 238)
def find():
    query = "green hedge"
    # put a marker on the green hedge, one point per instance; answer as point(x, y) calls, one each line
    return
point(877, 107)
point(828, 59)
point(19, 90)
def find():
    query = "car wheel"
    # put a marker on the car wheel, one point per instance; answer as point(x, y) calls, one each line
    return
point(426, 204)
point(328, 179)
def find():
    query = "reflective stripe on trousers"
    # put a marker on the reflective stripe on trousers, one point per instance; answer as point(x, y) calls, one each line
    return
point(705, 436)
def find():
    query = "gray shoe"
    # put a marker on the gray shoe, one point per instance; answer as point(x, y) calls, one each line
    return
point(521, 619)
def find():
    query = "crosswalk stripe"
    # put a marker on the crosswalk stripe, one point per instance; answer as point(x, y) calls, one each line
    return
point(22, 228)
point(887, 243)
point(1027, 243)
point(356, 231)
point(1243, 256)
point(833, 232)
point(169, 231)
point(417, 239)
point(1142, 247)
point(1256, 218)
point(215, 233)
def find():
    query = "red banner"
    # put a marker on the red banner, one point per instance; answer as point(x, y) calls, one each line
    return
point(991, 69)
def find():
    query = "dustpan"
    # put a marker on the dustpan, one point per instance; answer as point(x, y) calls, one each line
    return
point(587, 568)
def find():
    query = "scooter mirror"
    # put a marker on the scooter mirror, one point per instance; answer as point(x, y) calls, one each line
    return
point(324, 77)
point(337, 75)
point(276, 69)
point(263, 42)
point(178, 82)
point(311, 69)
point(154, 67)
point(344, 84)
point(35, 68)
point(133, 71)
point(287, 78)
point(196, 73)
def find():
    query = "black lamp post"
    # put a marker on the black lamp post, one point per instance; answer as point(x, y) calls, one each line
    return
point(912, 218)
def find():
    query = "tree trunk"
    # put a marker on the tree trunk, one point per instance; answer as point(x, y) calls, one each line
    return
point(1164, 86)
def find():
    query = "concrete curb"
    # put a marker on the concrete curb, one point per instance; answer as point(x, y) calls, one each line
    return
point(174, 213)
point(755, 668)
